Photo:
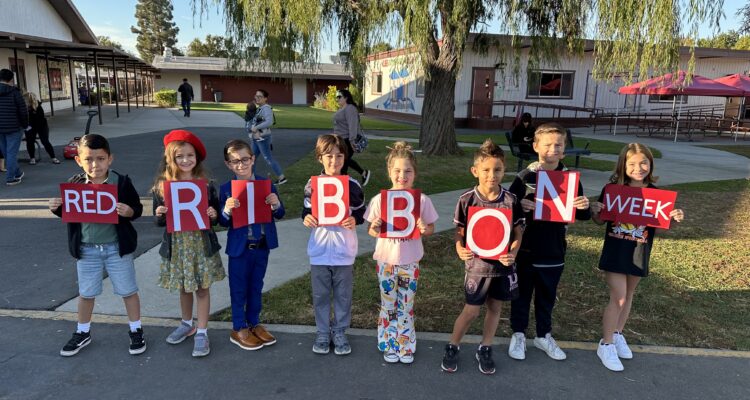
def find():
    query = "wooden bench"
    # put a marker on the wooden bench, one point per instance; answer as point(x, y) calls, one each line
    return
point(516, 151)
point(572, 150)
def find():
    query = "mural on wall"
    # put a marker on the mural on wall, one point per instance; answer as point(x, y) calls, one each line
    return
point(399, 99)
point(59, 77)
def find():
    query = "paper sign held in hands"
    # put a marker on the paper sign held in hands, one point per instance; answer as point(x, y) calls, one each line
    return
point(639, 206)
point(555, 193)
point(488, 231)
point(187, 202)
point(89, 203)
point(400, 210)
point(253, 208)
point(330, 199)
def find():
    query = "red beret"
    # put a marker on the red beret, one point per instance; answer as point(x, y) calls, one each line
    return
point(189, 137)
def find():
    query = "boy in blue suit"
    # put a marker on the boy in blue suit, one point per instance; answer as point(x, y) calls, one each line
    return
point(248, 248)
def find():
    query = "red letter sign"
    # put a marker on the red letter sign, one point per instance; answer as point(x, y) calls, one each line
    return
point(639, 206)
point(253, 208)
point(400, 210)
point(187, 202)
point(488, 231)
point(561, 187)
point(330, 199)
point(89, 203)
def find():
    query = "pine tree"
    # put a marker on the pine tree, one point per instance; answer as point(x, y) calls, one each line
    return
point(156, 30)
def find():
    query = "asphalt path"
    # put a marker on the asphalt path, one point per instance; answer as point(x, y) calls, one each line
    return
point(38, 272)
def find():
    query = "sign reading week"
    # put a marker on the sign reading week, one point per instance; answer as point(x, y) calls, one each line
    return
point(555, 193)
point(253, 208)
point(488, 231)
point(639, 206)
point(89, 203)
point(400, 210)
point(330, 199)
point(186, 202)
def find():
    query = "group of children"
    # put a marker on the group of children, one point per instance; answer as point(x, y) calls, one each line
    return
point(190, 263)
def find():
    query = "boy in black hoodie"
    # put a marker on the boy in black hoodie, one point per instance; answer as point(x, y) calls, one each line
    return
point(104, 246)
point(541, 259)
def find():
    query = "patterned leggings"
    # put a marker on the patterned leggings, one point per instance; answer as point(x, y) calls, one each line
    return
point(398, 285)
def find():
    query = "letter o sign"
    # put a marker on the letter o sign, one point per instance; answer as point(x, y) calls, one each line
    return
point(488, 231)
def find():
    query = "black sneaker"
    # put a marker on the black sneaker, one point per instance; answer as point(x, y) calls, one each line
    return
point(365, 177)
point(281, 181)
point(450, 358)
point(137, 342)
point(76, 343)
point(484, 356)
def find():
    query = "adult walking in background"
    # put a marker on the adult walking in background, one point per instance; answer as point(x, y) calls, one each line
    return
point(14, 119)
point(39, 127)
point(186, 96)
point(346, 125)
point(260, 134)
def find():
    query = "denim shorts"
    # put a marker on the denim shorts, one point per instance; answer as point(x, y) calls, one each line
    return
point(95, 258)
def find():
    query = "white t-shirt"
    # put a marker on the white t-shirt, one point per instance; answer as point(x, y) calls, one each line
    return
point(400, 251)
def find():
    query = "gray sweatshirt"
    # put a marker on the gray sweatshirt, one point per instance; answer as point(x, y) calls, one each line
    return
point(263, 120)
point(346, 122)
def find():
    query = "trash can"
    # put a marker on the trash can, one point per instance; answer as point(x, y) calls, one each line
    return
point(218, 95)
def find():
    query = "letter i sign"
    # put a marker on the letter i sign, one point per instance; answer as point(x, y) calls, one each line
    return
point(253, 208)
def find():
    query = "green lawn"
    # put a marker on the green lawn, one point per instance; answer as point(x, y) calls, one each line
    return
point(303, 117)
point(697, 293)
point(743, 150)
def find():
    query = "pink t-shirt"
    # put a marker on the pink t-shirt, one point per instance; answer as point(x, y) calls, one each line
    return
point(400, 251)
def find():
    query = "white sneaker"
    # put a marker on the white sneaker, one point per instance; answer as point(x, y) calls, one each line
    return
point(623, 351)
point(608, 354)
point(517, 347)
point(549, 346)
point(390, 356)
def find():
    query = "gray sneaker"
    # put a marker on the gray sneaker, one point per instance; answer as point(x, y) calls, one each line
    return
point(322, 344)
point(201, 347)
point(181, 333)
point(341, 344)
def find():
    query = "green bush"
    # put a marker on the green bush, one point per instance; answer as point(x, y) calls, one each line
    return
point(356, 95)
point(331, 103)
point(166, 98)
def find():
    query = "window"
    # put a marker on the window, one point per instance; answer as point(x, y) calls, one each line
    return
point(665, 98)
point(377, 82)
point(550, 84)
point(419, 83)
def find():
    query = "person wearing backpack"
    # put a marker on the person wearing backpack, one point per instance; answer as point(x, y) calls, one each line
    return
point(260, 134)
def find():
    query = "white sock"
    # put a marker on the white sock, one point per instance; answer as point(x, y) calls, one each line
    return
point(84, 328)
point(203, 331)
point(189, 323)
point(134, 325)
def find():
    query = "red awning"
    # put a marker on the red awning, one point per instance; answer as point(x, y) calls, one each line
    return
point(736, 81)
point(666, 85)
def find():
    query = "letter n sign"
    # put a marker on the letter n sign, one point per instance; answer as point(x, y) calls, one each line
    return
point(488, 231)
point(89, 203)
point(330, 199)
point(555, 192)
point(400, 210)
point(187, 202)
point(253, 208)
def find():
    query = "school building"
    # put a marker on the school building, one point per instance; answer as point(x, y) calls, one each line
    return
point(487, 95)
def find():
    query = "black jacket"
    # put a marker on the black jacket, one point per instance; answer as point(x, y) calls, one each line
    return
point(37, 120)
point(543, 241)
point(127, 237)
point(186, 91)
point(13, 113)
point(209, 236)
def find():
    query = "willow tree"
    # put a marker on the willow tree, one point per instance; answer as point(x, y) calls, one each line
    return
point(638, 37)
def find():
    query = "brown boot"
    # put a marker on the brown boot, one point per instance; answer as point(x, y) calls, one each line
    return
point(263, 335)
point(249, 342)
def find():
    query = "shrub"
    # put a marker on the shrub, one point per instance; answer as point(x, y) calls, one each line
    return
point(356, 95)
point(320, 101)
point(331, 103)
point(166, 98)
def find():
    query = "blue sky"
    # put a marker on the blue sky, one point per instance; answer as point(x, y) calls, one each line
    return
point(116, 18)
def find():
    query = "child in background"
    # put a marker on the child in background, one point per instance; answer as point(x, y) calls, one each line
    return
point(248, 248)
point(250, 112)
point(625, 255)
point(39, 127)
point(190, 260)
point(542, 256)
point(398, 262)
point(332, 250)
point(488, 282)
point(99, 247)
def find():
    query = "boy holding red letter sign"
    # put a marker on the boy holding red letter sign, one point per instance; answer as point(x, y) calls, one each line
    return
point(489, 225)
point(398, 217)
point(99, 243)
point(551, 196)
point(333, 206)
point(627, 242)
point(249, 205)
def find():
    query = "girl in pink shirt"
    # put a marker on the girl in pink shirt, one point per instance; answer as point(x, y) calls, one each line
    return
point(398, 262)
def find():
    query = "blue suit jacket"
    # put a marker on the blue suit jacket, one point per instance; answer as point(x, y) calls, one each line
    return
point(237, 238)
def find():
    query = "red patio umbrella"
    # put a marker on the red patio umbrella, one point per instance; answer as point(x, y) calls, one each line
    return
point(674, 86)
point(736, 81)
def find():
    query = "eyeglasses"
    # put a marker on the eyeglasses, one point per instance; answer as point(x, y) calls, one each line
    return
point(258, 96)
point(243, 161)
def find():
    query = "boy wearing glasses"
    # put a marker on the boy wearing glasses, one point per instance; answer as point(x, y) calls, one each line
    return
point(248, 248)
